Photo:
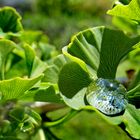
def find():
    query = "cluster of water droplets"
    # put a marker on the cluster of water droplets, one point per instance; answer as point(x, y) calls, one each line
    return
point(108, 96)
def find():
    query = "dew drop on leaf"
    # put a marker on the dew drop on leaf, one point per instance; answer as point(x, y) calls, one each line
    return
point(108, 96)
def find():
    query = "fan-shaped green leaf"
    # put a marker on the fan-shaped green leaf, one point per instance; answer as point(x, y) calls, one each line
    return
point(34, 65)
point(15, 88)
point(26, 118)
point(125, 24)
point(59, 61)
point(34, 117)
point(51, 73)
point(131, 119)
point(10, 20)
point(115, 120)
point(38, 67)
point(77, 101)
point(17, 114)
point(30, 56)
point(44, 95)
point(101, 49)
point(72, 78)
point(6, 46)
point(18, 69)
point(130, 11)
point(31, 36)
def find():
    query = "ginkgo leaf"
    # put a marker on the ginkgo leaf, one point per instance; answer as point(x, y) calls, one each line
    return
point(101, 49)
point(30, 57)
point(43, 95)
point(16, 87)
point(6, 46)
point(130, 11)
point(51, 73)
point(10, 20)
point(131, 119)
point(72, 78)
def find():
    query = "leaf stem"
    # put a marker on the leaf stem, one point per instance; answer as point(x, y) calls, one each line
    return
point(62, 120)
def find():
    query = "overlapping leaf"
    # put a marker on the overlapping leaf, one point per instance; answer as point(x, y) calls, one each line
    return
point(15, 88)
point(46, 94)
point(102, 49)
point(30, 57)
point(130, 119)
point(10, 20)
point(130, 11)
point(51, 73)
point(77, 102)
point(34, 65)
point(125, 24)
point(6, 46)
point(72, 78)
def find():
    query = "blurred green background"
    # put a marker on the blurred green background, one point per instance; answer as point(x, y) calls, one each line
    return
point(59, 20)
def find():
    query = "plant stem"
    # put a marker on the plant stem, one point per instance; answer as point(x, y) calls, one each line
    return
point(61, 120)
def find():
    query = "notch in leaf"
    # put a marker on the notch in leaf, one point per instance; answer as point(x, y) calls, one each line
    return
point(101, 49)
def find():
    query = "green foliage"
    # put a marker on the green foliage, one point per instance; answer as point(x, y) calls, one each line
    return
point(102, 49)
point(73, 16)
point(133, 95)
point(132, 121)
point(21, 70)
point(9, 46)
point(125, 24)
point(87, 119)
point(125, 16)
point(15, 88)
point(30, 56)
point(30, 36)
point(130, 11)
point(72, 78)
point(46, 94)
point(31, 70)
point(10, 20)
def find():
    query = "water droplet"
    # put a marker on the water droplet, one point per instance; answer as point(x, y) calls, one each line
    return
point(108, 96)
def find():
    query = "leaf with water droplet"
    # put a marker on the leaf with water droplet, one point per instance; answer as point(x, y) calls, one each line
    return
point(108, 96)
